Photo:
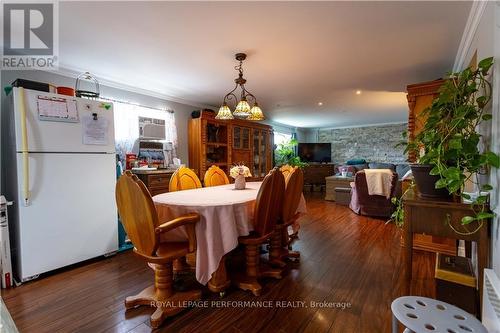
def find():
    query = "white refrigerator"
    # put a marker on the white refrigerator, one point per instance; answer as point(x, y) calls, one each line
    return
point(58, 155)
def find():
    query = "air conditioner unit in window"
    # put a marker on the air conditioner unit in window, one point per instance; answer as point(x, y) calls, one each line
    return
point(151, 128)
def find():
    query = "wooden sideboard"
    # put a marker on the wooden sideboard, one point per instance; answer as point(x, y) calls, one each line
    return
point(437, 218)
point(315, 174)
point(155, 180)
point(228, 142)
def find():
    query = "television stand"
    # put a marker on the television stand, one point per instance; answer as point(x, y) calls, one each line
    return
point(315, 173)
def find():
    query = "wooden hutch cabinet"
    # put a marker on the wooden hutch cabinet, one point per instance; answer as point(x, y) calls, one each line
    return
point(228, 142)
point(420, 97)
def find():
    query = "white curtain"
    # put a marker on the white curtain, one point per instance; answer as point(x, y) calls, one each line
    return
point(281, 137)
point(127, 125)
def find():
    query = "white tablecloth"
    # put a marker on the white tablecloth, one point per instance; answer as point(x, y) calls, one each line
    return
point(225, 214)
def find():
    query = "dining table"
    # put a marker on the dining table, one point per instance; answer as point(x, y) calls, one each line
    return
point(225, 214)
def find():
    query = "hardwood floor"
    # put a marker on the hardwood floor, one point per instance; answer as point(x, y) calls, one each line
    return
point(345, 258)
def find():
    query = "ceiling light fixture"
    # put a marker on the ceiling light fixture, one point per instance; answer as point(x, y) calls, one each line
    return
point(243, 109)
point(358, 92)
point(320, 103)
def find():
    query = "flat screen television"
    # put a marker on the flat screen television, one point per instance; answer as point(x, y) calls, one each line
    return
point(315, 152)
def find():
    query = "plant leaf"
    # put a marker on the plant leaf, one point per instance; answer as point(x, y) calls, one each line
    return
point(441, 183)
point(487, 187)
point(454, 186)
point(485, 64)
point(481, 101)
point(434, 171)
point(452, 173)
point(467, 219)
point(455, 143)
point(482, 199)
point(484, 215)
point(493, 159)
point(465, 196)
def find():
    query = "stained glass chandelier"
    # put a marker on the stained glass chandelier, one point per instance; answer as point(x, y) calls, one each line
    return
point(243, 109)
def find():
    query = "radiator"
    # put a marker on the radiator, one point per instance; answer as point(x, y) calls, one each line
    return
point(491, 301)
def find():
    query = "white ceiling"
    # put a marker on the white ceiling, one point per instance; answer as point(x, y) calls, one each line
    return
point(300, 53)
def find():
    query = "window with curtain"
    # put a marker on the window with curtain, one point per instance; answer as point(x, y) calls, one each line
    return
point(126, 121)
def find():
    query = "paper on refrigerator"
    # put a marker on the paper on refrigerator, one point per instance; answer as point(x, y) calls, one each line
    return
point(95, 130)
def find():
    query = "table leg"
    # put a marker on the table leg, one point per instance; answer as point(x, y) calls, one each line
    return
point(468, 249)
point(219, 281)
point(394, 324)
point(408, 251)
point(181, 265)
point(482, 263)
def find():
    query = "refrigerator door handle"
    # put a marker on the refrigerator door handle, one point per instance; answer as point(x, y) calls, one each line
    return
point(24, 148)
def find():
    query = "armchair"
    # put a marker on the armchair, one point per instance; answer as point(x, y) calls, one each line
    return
point(372, 205)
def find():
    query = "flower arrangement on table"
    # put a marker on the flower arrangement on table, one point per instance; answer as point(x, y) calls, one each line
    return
point(239, 173)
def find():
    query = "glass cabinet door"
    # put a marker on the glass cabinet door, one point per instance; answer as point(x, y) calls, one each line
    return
point(241, 137)
point(245, 138)
point(260, 138)
point(256, 159)
point(236, 137)
point(263, 155)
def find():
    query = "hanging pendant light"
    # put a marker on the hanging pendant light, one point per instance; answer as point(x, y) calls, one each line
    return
point(224, 113)
point(243, 109)
point(256, 113)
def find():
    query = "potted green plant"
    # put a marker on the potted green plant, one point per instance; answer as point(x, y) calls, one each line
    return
point(448, 144)
point(285, 153)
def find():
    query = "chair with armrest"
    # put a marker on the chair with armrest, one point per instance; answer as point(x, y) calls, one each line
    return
point(266, 213)
point(281, 240)
point(215, 177)
point(140, 220)
point(371, 205)
point(183, 179)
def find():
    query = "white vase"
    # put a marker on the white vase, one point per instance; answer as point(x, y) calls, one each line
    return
point(239, 182)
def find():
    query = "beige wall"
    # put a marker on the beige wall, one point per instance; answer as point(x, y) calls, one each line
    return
point(486, 42)
point(495, 137)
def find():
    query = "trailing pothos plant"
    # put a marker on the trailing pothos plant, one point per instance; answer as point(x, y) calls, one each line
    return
point(450, 140)
point(285, 153)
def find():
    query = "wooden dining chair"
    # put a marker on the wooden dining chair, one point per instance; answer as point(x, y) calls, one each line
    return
point(140, 220)
point(287, 170)
point(281, 241)
point(183, 179)
point(268, 206)
point(215, 176)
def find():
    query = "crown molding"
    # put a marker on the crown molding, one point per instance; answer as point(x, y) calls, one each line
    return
point(362, 126)
point(73, 73)
point(475, 14)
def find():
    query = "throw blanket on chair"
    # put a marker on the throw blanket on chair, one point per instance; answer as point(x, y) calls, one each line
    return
point(379, 181)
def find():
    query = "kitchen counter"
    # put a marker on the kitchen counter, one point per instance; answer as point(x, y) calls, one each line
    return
point(155, 180)
point(153, 172)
